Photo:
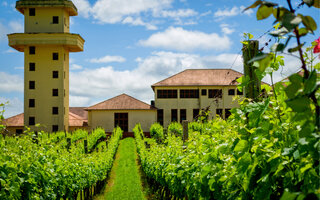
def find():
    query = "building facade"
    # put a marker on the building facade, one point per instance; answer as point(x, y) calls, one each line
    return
point(46, 43)
point(183, 95)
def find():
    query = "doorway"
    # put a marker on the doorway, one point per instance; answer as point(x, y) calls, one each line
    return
point(121, 120)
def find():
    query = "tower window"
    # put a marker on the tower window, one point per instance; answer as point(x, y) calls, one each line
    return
point(32, 85)
point(55, 110)
point(231, 92)
point(227, 113)
point(55, 92)
point(55, 128)
point(32, 121)
point(32, 12)
point(204, 92)
point(55, 56)
point(32, 67)
point(32, 50)
point(55, 74)
point(195, 113)
point(55, 20)
point(160, 116)
point(215, 93)
point(31, 103)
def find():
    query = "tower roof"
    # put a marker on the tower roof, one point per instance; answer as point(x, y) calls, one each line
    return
point(67, 4)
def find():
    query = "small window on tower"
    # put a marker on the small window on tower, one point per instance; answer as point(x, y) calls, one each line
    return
point(32, 50)
point(32, 12)
point(55, 56)
point(32, 85)
point(32, 67)
point(231, 92)
point(55, 110)
point(55, 20)
point(32, 121)
point(55, 74)
point(55, 92)
point(32, 103)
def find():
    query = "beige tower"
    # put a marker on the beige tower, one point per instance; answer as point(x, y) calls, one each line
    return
point(46, 43)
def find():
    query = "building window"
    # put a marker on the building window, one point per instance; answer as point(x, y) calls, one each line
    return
point(32, 12)
point(55, 110)
point(167, 94)
point(32, 50)
point(160, 116)
point(239, 93)
point(55, 20)
point(55, 128)
point(231, 92)
point(32, 121)
point(204, 92)
point(55, 56)
point(189, 93)
point(195, 114)
point(32, 67)
point(32, 103)
point(55, 92)
point(19, 131)
point(32, 85)
point(55, 74)
point(227, 113)
point(183, 115)
point(219, 112)
point(215, 93)
point(174, 115)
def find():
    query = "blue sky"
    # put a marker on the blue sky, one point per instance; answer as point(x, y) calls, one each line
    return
point(131, 44)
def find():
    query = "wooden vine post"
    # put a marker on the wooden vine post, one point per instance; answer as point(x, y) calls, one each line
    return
point(185, 131)
point(85, 143)
point(249, 51)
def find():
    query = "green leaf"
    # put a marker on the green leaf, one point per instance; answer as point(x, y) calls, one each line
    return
point(277, 47)
point(288, 195)
point(258, 57)
point(300, 104)
point(305, 168)
point(279, 32)
point(309, 23)
point(291, 50)
point(303, 31)
point(255, 4)
point(296, 154)
point(278, 13)
point(241, 146)
point(291, 21)
point(264, 12)
point(311, 83)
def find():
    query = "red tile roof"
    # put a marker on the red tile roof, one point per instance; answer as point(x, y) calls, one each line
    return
point(201, 77)
point(121, 102)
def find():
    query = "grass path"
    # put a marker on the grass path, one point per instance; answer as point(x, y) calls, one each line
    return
point(124, 182)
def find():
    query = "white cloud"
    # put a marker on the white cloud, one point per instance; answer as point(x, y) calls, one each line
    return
point(10, 83)
point(75, 67)
point(230, 12)
point(114, 11)
point(108, 59)
point(184, 40)
point(4, 3)
point(83, 7)
point(225, 28)
point(16, 26)
point(14, 106)
point(178, 13)
point(10, 51)
point(79, 101)
point(138, 22)
point(3, 32)
point(106, 82)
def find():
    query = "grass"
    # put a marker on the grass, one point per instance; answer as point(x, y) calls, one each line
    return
point(124, 182)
